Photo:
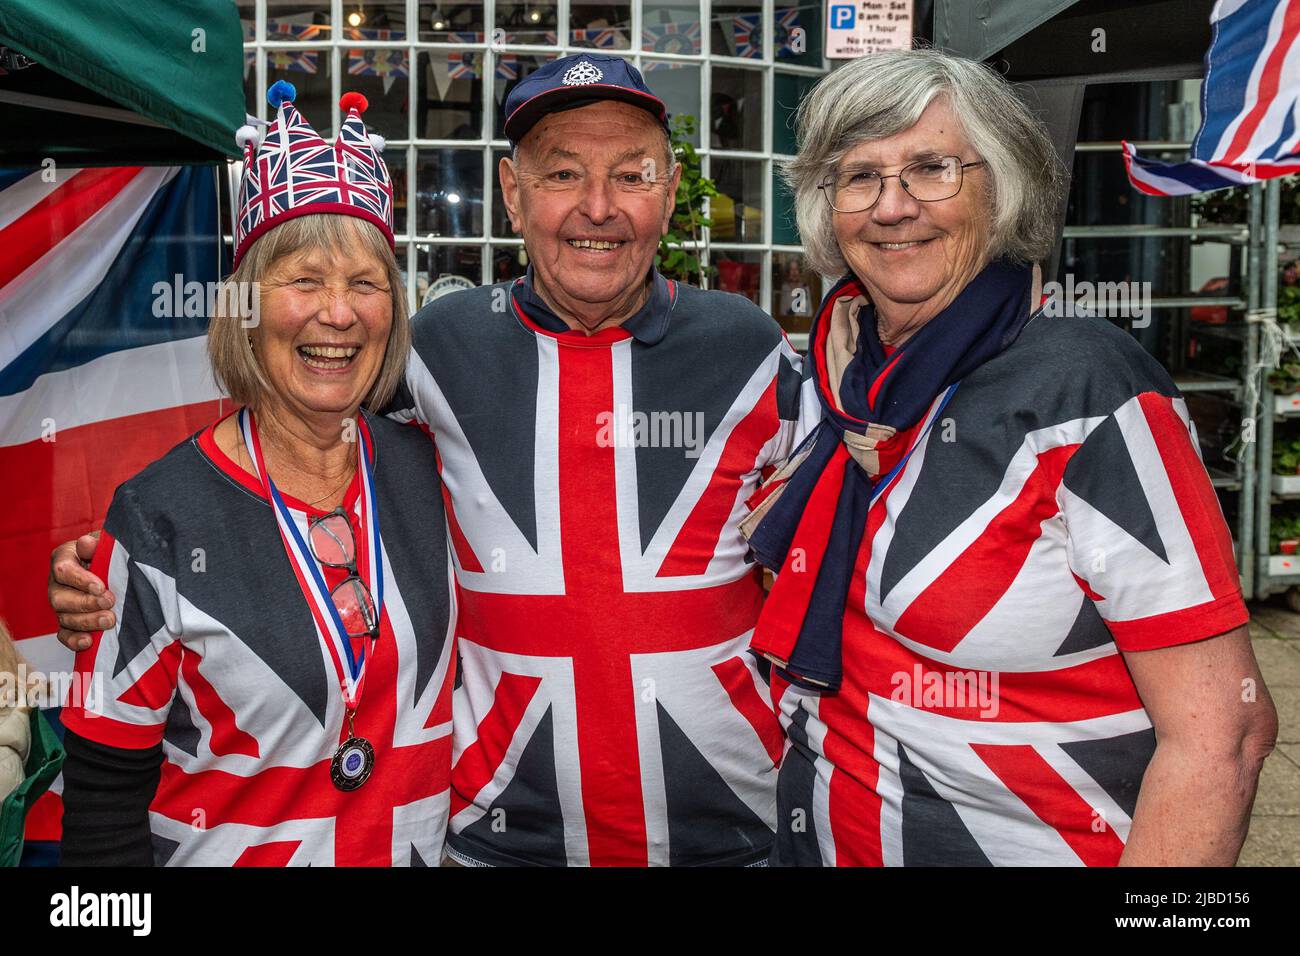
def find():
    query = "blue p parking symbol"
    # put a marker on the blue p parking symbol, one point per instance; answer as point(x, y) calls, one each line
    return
point(842, 16)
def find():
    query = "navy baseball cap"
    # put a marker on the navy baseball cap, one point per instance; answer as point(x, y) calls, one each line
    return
point(573, 81)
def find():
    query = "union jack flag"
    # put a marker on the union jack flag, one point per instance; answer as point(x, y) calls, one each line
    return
point(671, 37)
point(598, 38)
point(465, 37)
point(747, 34)
point(507, 66)
point(463, 66)
point(303, 32)
point(358, 33)
point(385, 63)
point(295, 61)
point(787, 21)
point(90, 347)
point(1249, 102)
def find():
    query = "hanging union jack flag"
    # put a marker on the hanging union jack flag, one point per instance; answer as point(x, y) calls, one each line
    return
point(103, 282)
point(1248, 105)
point(462, 66)
point(602, 37)
point(671, 37)
point(787, 29)
point(747, 32)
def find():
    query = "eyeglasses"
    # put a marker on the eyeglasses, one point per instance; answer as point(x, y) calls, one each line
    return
point(927, 180)
point(334, 545)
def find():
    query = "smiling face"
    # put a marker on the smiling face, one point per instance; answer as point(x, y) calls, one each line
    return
point(914, 257)
point(326, 315)
point(589, 194)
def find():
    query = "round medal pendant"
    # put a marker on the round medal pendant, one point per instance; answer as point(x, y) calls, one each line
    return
point(352, 763)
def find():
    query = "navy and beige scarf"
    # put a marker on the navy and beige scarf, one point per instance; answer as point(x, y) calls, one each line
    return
point(809, 518)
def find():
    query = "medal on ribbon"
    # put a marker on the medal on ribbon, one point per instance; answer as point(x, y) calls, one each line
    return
point(351, 609)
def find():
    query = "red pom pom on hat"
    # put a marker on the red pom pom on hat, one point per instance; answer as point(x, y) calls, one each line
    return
point(353, 101)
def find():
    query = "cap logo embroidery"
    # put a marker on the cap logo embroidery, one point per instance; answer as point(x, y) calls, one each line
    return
point(580, 74)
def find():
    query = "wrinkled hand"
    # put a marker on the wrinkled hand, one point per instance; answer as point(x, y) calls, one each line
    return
point(80, 599)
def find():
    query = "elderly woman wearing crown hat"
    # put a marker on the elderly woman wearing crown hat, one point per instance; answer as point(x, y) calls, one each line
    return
point(276, 690)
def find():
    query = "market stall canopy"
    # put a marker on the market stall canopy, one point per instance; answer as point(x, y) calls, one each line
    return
point(1100, 39)
point(977, 30)
point(120, 82)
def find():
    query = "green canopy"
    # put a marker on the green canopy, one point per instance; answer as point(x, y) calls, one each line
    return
point(121, 82)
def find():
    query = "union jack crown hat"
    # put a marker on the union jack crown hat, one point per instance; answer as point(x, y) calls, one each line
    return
point(290, 171)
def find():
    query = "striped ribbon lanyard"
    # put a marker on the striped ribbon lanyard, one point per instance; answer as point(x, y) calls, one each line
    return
point(348, 667)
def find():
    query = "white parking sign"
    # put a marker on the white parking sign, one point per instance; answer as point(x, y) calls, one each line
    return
point(859, 27)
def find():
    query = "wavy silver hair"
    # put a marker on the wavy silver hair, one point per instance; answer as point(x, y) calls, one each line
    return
point(883, 94)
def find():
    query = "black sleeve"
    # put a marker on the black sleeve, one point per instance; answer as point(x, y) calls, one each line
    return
point(106, 797)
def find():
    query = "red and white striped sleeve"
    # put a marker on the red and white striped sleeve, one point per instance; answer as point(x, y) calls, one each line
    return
point(1146, 537)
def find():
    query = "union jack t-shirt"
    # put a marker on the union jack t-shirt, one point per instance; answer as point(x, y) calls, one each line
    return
point(216, 657)
point(1055, 512)
point(608, 710)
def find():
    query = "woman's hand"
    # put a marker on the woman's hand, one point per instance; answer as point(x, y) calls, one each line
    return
point(1215, 723)
point(80, 599)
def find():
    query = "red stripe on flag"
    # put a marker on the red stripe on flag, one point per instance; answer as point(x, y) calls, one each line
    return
point(269, 854)
point(41, 228)
point(1197, 501)
point(479, 762)
point(967, 589)
point(464, 551)
point(227, 737)
point(1054, 801)
point(739, 685)
point(697, 541)
point(155, 687)
point(65, 490)
point(1269, 81)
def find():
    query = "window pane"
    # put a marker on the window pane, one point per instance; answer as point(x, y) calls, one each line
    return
point(737, 29)
point(374, 21)
point(737, 210)
point(671, 26)
point(789, 89)
point(395, 159)
point(510, 69)
point(500, 221)
point(443, 22)
point(309, 72)
point(508, 262)
point(447, 263)
point(678, 85)
point(384, 77)
point(451, 95)
point(798, 32)
point(785, 231)
point(450, 192)
point(304, 22)
point(739, 272)
point(736, 110)
point(796, 291)
point(532, 23)
point(600, 26)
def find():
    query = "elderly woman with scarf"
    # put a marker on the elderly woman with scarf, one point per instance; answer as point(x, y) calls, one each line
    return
point(1007, 623)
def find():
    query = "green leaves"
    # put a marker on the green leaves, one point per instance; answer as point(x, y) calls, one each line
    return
point(678, 256)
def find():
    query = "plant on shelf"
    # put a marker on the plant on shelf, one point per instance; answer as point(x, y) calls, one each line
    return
point(1286, 457)
point(1282, 527)
point(1288, 304)
point(1285, 379)
point(679, 250)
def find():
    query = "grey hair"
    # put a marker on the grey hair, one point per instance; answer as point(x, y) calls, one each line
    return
point(883, 94)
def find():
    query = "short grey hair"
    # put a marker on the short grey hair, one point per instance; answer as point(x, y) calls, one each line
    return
point(882, 94)
point(230, 351)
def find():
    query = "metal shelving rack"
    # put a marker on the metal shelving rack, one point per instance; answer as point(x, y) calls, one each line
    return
point(1249, 479)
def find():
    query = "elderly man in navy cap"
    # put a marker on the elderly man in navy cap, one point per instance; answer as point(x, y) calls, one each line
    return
point(599, 429)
